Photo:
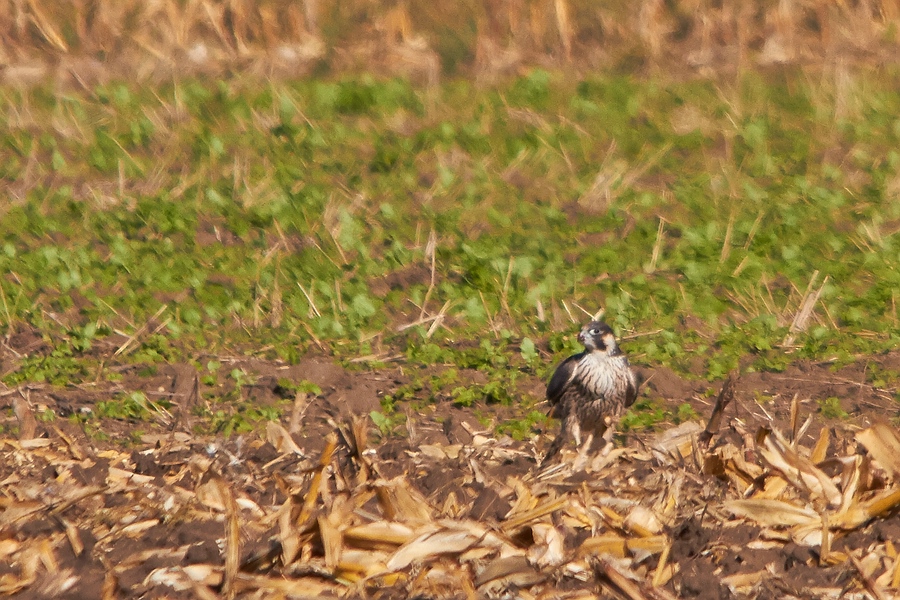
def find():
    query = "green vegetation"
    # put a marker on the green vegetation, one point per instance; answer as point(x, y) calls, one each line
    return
point(520, 429)
point(831, 408)
point(644, 414)
point(387, 424)
point(58, 367)
point(134, 407)
point(241, 418)
point(277, 220)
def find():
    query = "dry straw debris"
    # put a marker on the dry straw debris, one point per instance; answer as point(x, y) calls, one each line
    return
point(359, 522)
point(86, 41)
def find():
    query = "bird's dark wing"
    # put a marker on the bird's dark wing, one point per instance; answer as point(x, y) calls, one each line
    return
point(564, 374)
point(632, 391)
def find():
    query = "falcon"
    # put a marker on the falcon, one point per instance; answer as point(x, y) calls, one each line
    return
point(590, 390)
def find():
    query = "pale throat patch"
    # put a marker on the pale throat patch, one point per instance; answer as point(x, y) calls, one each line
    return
point(596, 371)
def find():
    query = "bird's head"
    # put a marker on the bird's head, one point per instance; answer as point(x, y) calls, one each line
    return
point(598, 336)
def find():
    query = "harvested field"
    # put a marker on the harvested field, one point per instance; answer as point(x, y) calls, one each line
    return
point(80, 43)
point(281, 286)
point(775, 501)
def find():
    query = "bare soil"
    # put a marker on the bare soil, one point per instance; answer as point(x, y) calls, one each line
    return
point(123, 514)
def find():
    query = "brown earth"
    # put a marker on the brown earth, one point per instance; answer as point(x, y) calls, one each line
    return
point(89, 515)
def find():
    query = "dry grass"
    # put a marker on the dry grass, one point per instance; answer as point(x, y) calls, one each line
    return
point(350, 522)
point(86, 40)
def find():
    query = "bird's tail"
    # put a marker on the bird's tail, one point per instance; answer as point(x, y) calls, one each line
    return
point(554, 449)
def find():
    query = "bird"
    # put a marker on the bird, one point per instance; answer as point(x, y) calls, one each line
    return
point(590, 390)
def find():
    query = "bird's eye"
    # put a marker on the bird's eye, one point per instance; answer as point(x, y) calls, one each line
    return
point(595, 331)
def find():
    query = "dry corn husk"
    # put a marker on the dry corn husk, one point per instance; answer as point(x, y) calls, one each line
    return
point(799, 471)
point(343, 527)
point(883, 443)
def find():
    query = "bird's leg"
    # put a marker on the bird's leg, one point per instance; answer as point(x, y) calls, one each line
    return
point(568, 429)
point(583, 452)
point(608, 435)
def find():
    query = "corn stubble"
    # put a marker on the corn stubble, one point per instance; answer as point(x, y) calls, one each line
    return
point(346, 529)
point(422, 39)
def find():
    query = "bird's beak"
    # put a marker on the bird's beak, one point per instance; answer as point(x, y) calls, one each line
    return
point(581, 337)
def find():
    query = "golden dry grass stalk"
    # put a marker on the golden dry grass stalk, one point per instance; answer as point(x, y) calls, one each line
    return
point(272, 37)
